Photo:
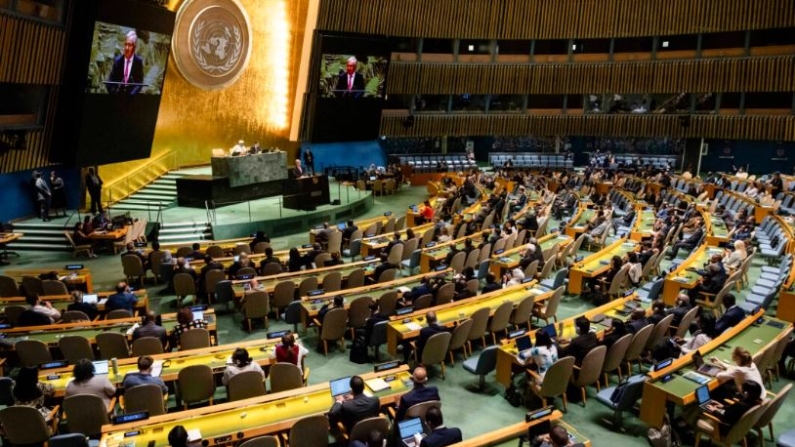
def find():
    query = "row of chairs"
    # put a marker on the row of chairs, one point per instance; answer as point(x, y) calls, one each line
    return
point(530, 160)
point(436, 163)
point(109, 345)
point(656, 161)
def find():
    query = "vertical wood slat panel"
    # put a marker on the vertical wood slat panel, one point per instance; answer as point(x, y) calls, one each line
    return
point(551, 19)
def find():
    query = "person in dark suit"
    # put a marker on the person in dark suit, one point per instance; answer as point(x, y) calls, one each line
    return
point(395, 241)
point(127, 69)
point(427, 332)
point(351, 83)
point(151, 329)
point(440, 435)
point(309, 161)
point(582, 344)
point(491, 284)
point(682, 307)
point(350, 228)
point(209, 264)
point(352, 409)
point(637, 321)
point(419, 394)
point(122, 299)
point(689, 243)
point(298, 171)
point(94, 187)
point(90, 309)
point(732, 317)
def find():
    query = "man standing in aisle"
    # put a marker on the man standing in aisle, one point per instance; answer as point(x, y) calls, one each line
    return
point(43, 196)
point(94, 187)
point(309, 161)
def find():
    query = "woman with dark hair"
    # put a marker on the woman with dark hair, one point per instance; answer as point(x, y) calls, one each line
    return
point(290, 352)
point(336, 259)
point(241, 362)
point(29, 392)
point(80, 237)
point(185, 323)
point(410, 234)
point(543, 355)
point(702, 337)
point(295, 261)
point(606, 278)
point(750, 395)
point(85, 382)
point(178, 437)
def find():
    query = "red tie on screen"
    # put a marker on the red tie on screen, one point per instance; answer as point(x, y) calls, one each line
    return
point(350, 82)
point(126, 71)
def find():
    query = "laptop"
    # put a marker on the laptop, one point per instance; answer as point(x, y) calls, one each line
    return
point(341, 226)
point(705, 401)
point(100, 367)
point(198, 314)
point(90, 298)
point(550, 330)
point(703, 367)
point(523, 343)
point(408, 428)
point(340, 387)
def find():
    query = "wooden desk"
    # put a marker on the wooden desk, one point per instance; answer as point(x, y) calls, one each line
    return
point(685, 276)
point(717, 232)
point(112, 235)
point(228, 245)
point(398, 330)
point(578, 222)
point(268, 283)
point(374, 245)
point(597, 263)
point(511, 258)
point(644, 224)
point(261, 351)
point(433, 256)
point(244, 419)
point(756, 338)
point(76, 278)
point(507, 354)
point(511, 433)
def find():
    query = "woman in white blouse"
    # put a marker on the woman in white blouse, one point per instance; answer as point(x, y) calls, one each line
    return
point(734, 259)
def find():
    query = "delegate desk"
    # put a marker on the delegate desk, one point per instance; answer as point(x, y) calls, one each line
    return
point(753, 336)
point(578, 223)
point(364, 224)
point(595, 264)
point(686, 275)
point(216, 357)
point(235, 421)
point(373, 245)
point(51, 334)
point(62, 302)
point(312, 304)
point(228, 245)
point(786, 297)
point(760, 211)
point(250, 169)
point(434, 253)
point(717, 232)
point(80, 279)
point(507, 354)
point(510, 259)
point(5, 239)
point(511, 433)
point(412, 216)
point(644, 223)
point(112, 235)
point(268, 283)
point(407, 327)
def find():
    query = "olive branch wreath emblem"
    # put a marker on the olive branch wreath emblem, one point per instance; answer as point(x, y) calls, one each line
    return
point(200, 59)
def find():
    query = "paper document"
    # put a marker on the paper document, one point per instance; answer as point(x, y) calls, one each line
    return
point(413, 326)
point(157, 368)
point(377, 384)
point(194, 435)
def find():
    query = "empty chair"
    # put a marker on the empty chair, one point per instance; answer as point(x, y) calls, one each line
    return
point(255, 305)
point(211, 280)
point(245, 385)
point(307, 285)
point(112, 344)
point(118, 314)
point(588, 373)
point(144, 398)
point(32, 352)
point(521, 316)
point(412, 262)
point(615, 356)
point(766, 419)
point(332, 282)
point(24, 425)
point(285, 376)
point(354, 249)
point(636, 347)
point(358, 313)
point(33, 286)
point(459, 339)
point(86, 414)
point(271, 268)
point(194, 339)
point(480, 320)
point(500, 320)
point(333, 327)
point(74, 348)
point(435, 350)
point(215, 251)
point(262, 441)
point(627, 399)
point(13, 311)
point(51, 287)
point(310, 431)
point(388, 303)
point(184, 286)
point(423, 302)
point(70, 316)
point(195, 383)
point(550, 308)
point(378, 337)
point(482, 365)
point(355, 279)
point(555, 381)
point(659, 332)
point(8, 287)
point(133, 268)
point(283, 295)
point(147, 346)
point(457, 263)
point(387, 275)
point(445, 294)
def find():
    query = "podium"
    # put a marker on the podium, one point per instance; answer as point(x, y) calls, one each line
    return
point(306, 193)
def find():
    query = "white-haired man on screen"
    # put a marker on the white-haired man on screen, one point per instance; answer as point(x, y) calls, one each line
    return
point(127, 73)
point(350, 83)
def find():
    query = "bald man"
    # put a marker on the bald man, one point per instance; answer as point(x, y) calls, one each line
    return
point(419, 394)
point(151, 329)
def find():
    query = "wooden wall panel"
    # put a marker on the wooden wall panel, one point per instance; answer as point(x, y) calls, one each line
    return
point(31, 52)
point(762, 74)
point(778, 128)
point(551, 19)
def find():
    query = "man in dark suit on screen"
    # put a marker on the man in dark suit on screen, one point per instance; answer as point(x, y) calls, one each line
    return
point(127, 69)
point(351, 83)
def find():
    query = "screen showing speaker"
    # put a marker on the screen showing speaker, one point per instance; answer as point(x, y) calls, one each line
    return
point(347, 100)
point(116, 61)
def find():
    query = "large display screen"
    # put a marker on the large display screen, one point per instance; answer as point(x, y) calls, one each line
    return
point(352, 76)
point(351, 87)
point(116, 62)
point(125, 60)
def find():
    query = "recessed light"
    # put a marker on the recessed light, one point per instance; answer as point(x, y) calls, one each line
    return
point(471, 48)
point(574, 47)
point(665, 44)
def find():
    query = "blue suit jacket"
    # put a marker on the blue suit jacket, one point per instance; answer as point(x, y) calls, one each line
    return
point(442, 437)
point(414, 397)
point(731, 318)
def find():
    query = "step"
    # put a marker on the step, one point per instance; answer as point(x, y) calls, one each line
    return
point(188, 224)
point(170, 182)
point(147, 199)
point(171, 176)
point(132, 207)
point(168, 229)
point(184, 237)
point(161, 187)
point(28, 232)
point(36, 246)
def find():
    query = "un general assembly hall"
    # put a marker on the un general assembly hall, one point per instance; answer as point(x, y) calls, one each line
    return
point(397, 223)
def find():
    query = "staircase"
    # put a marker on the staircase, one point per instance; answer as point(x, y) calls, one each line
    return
point(162, 192)
point(176, 232)
point(40, 236)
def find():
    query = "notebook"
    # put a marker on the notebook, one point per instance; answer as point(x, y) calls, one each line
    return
point(340, 387)
point(408, 429)
point(703, 367)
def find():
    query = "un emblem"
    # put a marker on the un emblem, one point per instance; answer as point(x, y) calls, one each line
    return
point(212, 42)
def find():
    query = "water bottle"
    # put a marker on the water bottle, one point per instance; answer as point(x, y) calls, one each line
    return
point(114, 363)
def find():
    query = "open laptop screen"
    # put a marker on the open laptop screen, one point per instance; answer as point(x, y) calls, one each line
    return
point(702, 394)
point(90, 298)
point(409, 427)
point(523, 343)
point(100, 367)
point(340, 386)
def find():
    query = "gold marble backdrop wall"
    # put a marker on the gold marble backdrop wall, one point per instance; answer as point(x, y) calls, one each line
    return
point(257, 107)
